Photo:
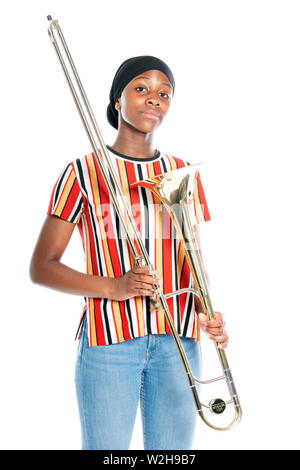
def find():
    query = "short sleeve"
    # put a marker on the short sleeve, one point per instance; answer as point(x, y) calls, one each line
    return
point(66, 199)
point(200, 212)
point(200, 204)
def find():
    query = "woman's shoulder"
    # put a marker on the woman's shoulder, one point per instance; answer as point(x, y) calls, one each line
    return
point(180, 161)
point(80, 165)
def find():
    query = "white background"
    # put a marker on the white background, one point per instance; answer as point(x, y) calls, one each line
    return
point(236, 108)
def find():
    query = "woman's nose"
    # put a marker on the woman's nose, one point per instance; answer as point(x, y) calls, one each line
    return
point(153, 101)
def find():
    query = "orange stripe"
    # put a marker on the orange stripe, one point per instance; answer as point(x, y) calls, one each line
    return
point(93, 335)
point(65, 194)
point(173, 162)
point(198, 328)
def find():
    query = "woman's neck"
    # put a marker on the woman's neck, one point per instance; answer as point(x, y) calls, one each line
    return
point(138, 148)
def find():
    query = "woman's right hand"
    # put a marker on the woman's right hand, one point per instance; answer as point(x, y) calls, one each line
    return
point(137, 281)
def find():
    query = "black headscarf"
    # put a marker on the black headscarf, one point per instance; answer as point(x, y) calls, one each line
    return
point(129, 69)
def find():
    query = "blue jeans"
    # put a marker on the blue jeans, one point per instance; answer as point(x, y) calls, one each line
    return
point(110, 380)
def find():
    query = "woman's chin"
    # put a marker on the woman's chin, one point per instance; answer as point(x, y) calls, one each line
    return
point(146, 126)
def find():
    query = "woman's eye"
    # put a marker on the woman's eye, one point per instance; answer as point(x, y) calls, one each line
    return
point(140, 88)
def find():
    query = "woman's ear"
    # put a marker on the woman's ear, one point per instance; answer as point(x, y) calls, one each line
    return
point(117, 105)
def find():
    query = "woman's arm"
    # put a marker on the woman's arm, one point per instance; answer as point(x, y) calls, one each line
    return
point(46, 268)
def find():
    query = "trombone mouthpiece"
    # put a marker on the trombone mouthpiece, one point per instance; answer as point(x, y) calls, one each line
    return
point(49, 17)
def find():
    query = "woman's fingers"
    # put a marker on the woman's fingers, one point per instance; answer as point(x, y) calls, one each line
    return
point(215, 329)
point(145, 281)
point(144, 275)
point(222, 338)
point(223, 345)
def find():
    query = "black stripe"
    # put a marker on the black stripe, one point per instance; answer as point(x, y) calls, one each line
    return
point(190, 301)
point(163, 163)
point(189, 309)
point(155, 156)
point(146, 224)
point(80, 323)
point(81, 177)
point(60, 183)
point(146, 208)
point(105, 314)
point(79, 205)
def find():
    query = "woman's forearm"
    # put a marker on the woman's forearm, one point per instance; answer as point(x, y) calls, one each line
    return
point(56, 275)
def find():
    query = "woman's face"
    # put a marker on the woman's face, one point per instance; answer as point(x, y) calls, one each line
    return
point(145, 100)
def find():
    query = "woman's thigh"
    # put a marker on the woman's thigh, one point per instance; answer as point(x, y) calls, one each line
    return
point(108, 381)
point(167, 405)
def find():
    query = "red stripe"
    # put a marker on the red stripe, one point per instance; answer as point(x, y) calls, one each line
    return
point(180, 163)
point(71, 201)
point(99, 323)
point(203, 198)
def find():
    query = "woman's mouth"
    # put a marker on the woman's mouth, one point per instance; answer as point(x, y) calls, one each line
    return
point(151, 115)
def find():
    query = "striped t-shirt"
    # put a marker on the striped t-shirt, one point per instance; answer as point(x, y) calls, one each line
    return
point(80, 195)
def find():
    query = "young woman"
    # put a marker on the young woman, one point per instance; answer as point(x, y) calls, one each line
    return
point(126, 352)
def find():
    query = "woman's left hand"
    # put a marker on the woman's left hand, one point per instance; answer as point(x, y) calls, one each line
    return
point(214, 328)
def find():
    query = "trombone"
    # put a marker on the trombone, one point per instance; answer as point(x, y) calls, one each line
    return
point(175, 190)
